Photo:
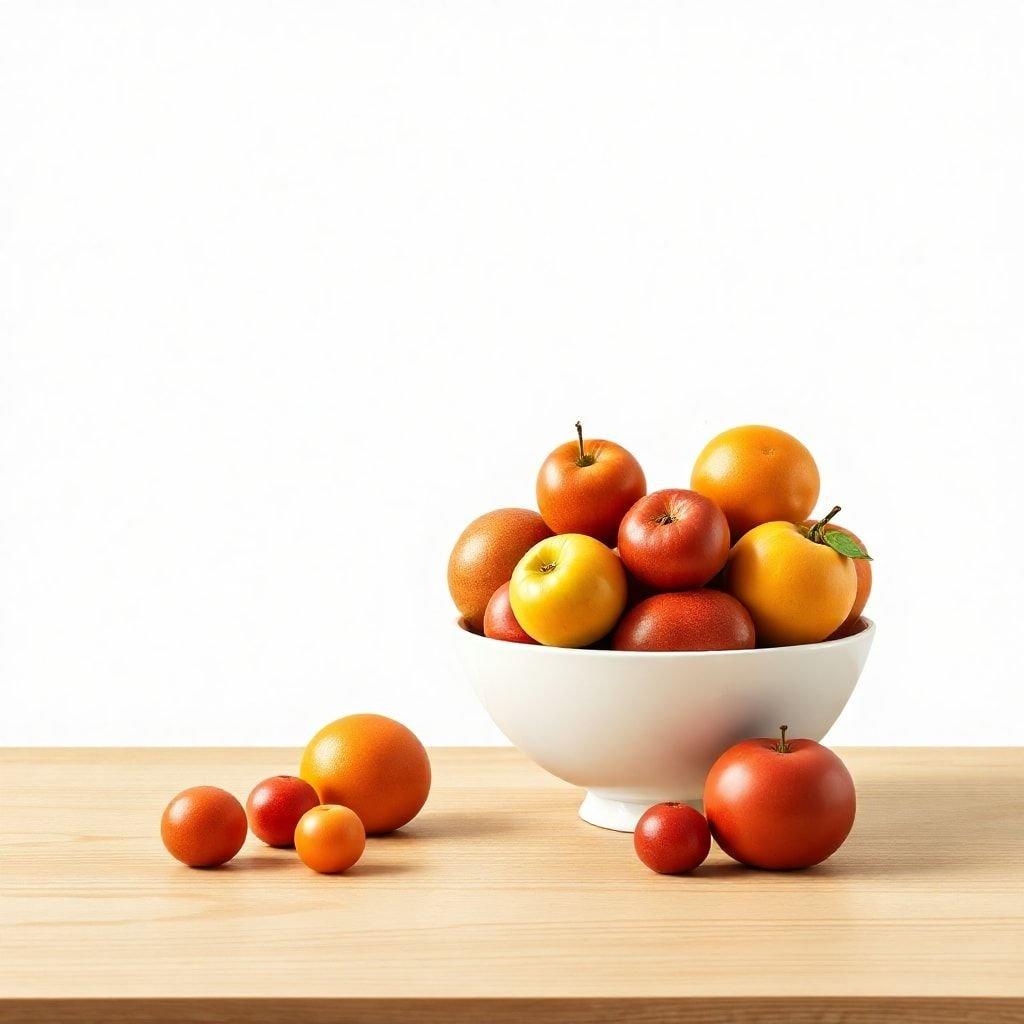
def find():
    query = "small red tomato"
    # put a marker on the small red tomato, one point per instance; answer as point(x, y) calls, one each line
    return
point(779, 804)
point(500, 622)
point(672, 838)
point(275, 806)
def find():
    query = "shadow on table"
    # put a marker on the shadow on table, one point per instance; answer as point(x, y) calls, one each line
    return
point(470, 824)
point(269, 860)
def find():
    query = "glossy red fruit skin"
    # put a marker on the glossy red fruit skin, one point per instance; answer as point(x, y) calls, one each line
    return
point(275, 806)
point(500, 622)
point(674, 540)
point(779, 811)
point(589, 499)
point(672, 838)
point(694, 620)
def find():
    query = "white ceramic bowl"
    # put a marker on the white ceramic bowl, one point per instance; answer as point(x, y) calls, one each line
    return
point(636, 728)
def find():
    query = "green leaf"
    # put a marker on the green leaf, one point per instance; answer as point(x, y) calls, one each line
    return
point(845, 545)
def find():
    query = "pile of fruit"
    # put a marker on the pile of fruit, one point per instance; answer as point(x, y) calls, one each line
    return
point(360, 775)
point(732, 562)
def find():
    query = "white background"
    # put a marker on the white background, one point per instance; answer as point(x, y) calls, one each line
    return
point(290, 292)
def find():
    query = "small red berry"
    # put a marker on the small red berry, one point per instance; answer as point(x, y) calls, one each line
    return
point(672, 838)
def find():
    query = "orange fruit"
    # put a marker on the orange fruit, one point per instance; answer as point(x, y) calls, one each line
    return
point(330, 838)
point(863, 569)
point(485, 555)
point(796, 590)
point(372, 764)
point(757, 475)
point(203, 826)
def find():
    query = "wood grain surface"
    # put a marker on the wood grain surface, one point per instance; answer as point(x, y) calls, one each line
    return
point(499, 904)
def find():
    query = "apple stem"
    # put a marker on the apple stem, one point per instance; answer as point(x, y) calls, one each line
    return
point(814, 533)
point(783, 747)
point(584, 459)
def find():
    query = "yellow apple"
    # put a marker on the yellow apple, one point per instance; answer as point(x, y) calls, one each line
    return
point(568, 591)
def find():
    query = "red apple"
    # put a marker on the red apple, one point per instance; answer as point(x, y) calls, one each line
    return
point(672, 838)
point(695, 620)
point(779, 804)
point(275, 806)
point(588, 486)
point(674, 539)
point(500, 622)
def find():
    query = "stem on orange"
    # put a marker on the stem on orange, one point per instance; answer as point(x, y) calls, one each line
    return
point(814, 533)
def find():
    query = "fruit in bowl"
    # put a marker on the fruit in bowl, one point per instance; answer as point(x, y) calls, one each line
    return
point(723, 609)
point(552, 578)
point(485, 555)
point(568, 591)
point(864, 577)
point(697, 620)
point(500, 622)
point(587, 486)
point(795, 581)
point(757, 475)
point(674, 539)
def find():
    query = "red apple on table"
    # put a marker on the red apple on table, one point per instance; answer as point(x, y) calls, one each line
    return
point(275, 806)
point(694, 620)
point(587, 486)
point(779, 804)
point(674, 539)
point(500, 622)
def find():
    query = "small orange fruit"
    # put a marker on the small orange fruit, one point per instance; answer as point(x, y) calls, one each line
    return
point(330, 838)
point(203, 826)
point(757, 475)
point(798, 591)
point(372, 764)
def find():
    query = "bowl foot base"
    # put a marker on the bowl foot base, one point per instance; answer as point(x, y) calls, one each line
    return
point(618, 815)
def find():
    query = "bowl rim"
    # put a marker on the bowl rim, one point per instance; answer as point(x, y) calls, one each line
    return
point(867, 633)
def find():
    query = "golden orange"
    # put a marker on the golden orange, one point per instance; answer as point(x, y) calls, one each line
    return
point(329, 838)
point(796, 590)
point(757, 475)
point(372, 764)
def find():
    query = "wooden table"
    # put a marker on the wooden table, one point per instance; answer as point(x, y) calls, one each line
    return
point(499, 904)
